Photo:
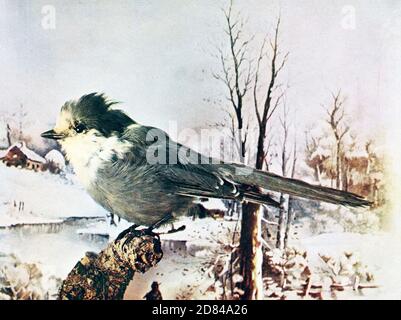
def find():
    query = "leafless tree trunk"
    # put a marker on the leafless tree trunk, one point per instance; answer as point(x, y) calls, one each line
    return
point(372, 181)
point(336, 121)
point(344, 170)
point(272, 100)
point(290, 208)
point(237, 76)
point(285, 157)
point(251, 266)
point(312, 144)
point(8, 134)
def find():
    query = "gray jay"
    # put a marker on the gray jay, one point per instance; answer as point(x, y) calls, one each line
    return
point(116, 159)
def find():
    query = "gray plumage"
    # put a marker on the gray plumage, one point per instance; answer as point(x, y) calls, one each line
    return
point(143, 193)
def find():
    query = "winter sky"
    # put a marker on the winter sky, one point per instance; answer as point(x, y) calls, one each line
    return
point(157, 57)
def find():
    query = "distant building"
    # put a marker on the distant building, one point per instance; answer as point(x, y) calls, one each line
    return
point(20, 156)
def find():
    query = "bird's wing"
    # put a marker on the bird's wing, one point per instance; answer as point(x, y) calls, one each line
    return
point(189, 173)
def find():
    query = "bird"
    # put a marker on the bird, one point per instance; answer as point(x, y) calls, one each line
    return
point(140, 174)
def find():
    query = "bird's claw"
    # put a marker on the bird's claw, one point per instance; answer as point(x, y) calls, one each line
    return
point(133, 232)
point(126, 231)
point(162, 221)
point(174, 230)
point(149, 231)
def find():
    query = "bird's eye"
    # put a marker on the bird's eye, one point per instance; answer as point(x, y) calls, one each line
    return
point(80, 127)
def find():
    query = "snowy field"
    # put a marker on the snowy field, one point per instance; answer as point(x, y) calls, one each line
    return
point(58, 222)
point(185, 274)
point(33, 210)
point(45, 197)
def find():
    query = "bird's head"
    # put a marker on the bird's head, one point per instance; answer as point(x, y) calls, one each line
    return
point(90, 116)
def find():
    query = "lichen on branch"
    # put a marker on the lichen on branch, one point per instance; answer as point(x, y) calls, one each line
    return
point(105, 276)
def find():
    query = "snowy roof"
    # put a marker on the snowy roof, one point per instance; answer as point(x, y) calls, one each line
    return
point(32, 155)
point(56, 157)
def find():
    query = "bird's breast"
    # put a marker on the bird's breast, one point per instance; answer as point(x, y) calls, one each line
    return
point(89, 153)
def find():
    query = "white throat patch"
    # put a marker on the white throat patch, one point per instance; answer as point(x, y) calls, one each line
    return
point(89, 151)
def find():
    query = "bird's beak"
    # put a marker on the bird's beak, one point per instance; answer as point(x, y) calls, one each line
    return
point(51, 134)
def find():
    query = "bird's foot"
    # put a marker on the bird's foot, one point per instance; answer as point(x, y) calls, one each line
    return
point(162, 221)
point(149, 231)
point(159, 223)
point(129, 234)
point(126, 231)
point(174, 230)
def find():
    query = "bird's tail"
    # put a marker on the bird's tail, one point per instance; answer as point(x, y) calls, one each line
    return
point(270, 181)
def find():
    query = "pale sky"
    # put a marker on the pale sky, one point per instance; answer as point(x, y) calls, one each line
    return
point(155, 57)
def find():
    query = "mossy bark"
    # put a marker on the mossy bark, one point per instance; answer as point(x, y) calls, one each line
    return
point(105, 276)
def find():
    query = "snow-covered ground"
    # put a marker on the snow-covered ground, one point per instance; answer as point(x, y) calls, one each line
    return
point(184, 271)
point(41, 232)
point(33, 208)
point(35, 225)
point(380, 252)
point(37, 197)
point(185, 274)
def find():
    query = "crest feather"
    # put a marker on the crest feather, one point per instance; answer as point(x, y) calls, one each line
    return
point(94, 110)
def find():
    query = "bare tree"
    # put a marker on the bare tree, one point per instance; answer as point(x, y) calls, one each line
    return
point(337, 124)
point(286, 212)
point(8, 128)
point(272, 100)
point(250, 241)
point(290, 205)
point(236, 74)
point(374, 166)
point(313, 159)
point(238, 78)
point(284, 159)
point(346, 161)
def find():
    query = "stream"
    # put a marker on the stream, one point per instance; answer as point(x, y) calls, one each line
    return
point(56, 246)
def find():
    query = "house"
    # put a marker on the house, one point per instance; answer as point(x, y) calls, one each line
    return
point(20, 156)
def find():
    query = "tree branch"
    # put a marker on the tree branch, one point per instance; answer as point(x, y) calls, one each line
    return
point(105, 276)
